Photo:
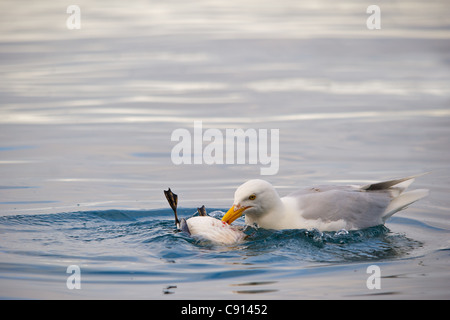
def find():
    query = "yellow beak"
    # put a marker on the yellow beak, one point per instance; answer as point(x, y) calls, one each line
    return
point(233, 214)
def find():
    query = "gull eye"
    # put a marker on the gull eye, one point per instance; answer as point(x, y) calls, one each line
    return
point(252, 197)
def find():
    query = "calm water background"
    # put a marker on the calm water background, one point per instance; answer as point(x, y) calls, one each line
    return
point(86, 118)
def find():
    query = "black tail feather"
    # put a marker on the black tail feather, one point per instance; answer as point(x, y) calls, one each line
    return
point(172, 198)
point(202, 211)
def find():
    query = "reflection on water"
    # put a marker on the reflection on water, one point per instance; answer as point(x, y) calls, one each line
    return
point(224, 20)
point(342, 87)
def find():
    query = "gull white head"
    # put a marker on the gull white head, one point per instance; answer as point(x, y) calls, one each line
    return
point(255, 198)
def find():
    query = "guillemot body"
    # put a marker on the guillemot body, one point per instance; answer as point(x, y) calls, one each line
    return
point(204, 226)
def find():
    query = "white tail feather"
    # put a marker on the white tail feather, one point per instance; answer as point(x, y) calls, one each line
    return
point(402, 201)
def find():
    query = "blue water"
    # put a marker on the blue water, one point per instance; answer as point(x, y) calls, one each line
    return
point(138, 248)
point(86, 118)
point(154, 234)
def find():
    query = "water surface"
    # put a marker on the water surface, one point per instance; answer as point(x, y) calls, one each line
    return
point(86, 118)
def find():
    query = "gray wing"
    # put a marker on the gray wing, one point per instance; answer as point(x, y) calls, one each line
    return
point(359, 208)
